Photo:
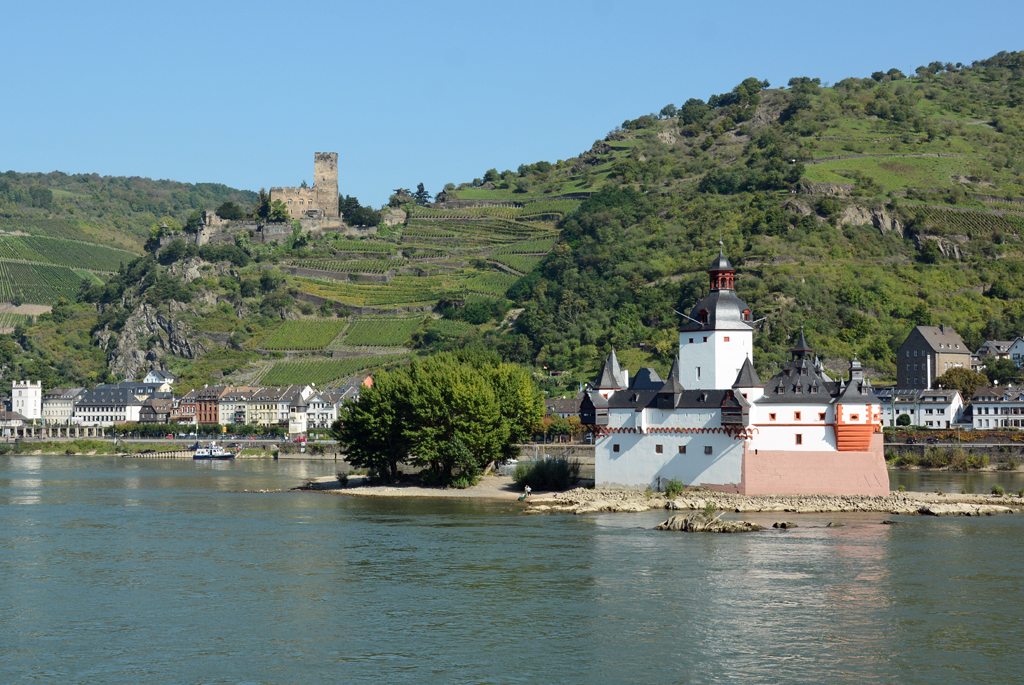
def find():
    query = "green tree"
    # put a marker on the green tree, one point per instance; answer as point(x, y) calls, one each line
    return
point(421, 195)
point(903, 420)
point(1002, 371)
point(372, 430)
point(229, 211)
point(278, 211)
point(962, 379)
point(521, 405)
point(454, 420)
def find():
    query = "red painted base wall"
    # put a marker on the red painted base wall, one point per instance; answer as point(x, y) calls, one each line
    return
point(816, 473)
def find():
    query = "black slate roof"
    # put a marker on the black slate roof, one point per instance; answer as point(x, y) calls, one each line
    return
point(747, 377)
point(724, 310)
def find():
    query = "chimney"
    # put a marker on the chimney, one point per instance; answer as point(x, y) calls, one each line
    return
point(942, 327)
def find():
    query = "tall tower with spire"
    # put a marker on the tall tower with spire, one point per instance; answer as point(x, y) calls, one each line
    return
point(718, 335)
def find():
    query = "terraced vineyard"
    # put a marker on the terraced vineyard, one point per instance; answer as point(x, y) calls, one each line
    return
point(521, 263)
point(304, 334)
point(402, 290)
point(975, 224)
point(347, 245)
point(8, 320)
point(325, 372)
point(63, 252)
point(384, 331)
point(489, 283)
point(528, 246)
point(450, 329)
point(37, 283)
point(364, 266)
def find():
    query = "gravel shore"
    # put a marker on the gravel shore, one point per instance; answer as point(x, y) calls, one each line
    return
point(583, 501)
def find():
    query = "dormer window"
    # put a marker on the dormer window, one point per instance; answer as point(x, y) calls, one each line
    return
point(703, 316)
point(746, 315)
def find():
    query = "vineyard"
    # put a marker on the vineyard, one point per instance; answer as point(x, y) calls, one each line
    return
point(8, 320)
point(62, 252)
point(975, 224)
point(304, 334)
point(37, 283)
point(528, 246)
point(489, 283)
point(362, 266)
point(447, 328)
point(402, 290)
point(386, 331)
point(349, 245)
point(521, 263)
point(324, 372)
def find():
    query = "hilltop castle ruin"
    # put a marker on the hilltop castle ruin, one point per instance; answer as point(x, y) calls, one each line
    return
point(321, 200)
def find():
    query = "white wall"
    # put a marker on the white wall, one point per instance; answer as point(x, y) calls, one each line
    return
point(637, 465)
point(719, 361)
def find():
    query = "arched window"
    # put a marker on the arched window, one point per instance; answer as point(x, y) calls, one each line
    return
point(703, 316)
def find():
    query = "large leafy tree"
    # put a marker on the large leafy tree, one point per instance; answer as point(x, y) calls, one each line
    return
point(372, 430)
point(450, 414)
point(964, 380)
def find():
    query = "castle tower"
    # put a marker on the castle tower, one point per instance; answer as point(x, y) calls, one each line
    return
point(718, 336)
point(325, 182)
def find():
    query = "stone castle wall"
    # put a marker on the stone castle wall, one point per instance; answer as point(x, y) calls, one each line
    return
point(321, 198)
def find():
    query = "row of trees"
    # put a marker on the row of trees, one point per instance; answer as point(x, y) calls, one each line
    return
point(451, 414)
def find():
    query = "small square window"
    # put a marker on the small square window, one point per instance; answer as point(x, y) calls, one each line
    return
point(682, 449)
point(659, 449)
point(771, 417)
point(796, 416)
point(705, 338)
point(615, 448)
point(726, 339)
point(707, 449)
point(855, 417)
point(821, 416)
point(799, 439)
point(691, 339)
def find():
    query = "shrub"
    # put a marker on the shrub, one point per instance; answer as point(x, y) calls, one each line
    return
point(998, 490)
point(463, 481)
point(548, 474)
point(710, 509)
point(674, 488)
point(902, 488)
point(1011, 464)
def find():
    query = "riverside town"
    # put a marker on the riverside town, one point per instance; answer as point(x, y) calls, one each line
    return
point(745, 367)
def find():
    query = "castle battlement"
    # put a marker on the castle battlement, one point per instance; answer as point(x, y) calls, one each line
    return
point(321, 196)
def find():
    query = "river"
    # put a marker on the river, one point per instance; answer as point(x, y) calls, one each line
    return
point(150, 571)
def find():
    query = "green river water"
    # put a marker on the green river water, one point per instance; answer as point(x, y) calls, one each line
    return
point(145, 571)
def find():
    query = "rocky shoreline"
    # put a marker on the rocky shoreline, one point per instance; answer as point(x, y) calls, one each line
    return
point(583, 501)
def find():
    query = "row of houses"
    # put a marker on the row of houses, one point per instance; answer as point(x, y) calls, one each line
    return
point(300, 408)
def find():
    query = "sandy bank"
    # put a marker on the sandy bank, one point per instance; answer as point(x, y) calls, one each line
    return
point(489, 487)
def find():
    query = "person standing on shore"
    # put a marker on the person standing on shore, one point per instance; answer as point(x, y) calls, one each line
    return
point(528, 491)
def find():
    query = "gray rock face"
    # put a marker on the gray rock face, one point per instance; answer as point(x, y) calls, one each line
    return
point(128, 357)
point(879, 217)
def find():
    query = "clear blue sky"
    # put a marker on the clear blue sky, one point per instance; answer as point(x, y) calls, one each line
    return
point(245, 93)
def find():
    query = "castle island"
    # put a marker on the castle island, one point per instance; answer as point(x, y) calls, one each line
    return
point(713, 424)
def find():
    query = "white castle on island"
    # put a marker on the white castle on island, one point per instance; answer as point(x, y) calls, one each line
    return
point(714, 424)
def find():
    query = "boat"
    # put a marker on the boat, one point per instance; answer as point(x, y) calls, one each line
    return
point(214, 451)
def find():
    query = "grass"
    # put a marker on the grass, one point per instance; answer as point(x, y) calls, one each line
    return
point(893, 173)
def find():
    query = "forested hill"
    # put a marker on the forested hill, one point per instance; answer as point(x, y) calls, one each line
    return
point(856, 210)
point(114, 210)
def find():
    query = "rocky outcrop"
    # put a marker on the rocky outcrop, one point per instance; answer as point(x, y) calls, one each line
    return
point(949, 246)
point(394, 217)
point(879, 217)
point(147, 336)
point(699, 523)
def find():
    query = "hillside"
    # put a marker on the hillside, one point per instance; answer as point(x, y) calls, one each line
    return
point(856, 210)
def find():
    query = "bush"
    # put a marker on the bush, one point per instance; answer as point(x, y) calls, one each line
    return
point(902, 488)
point(1011, 464)
point(998, 490)
point(674, 487)
point(549, 474)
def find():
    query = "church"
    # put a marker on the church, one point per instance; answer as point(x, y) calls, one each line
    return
point(713, 424)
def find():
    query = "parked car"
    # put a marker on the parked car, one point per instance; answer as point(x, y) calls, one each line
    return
point(933, 441)
point(911, 441)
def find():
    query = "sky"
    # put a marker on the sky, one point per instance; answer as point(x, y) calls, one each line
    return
point(244, 93)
